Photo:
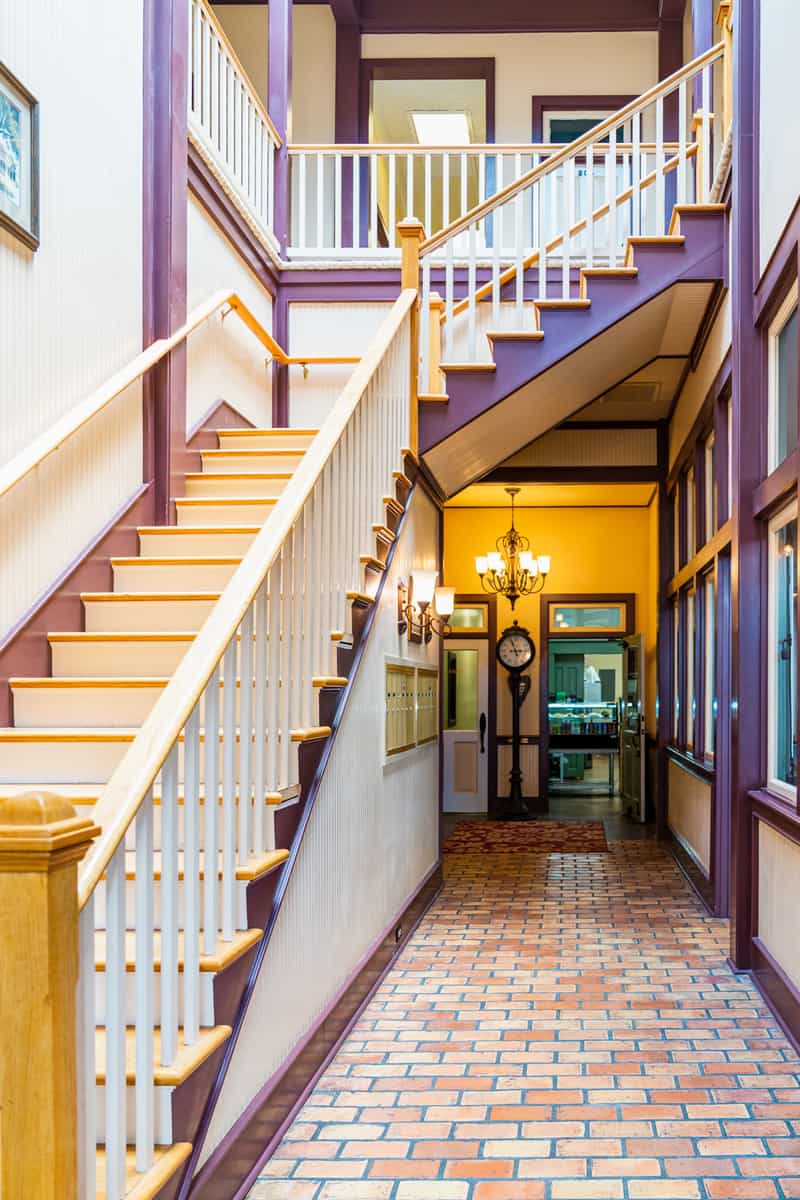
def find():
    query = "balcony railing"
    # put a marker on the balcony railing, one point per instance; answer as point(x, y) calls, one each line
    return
point(229, 124)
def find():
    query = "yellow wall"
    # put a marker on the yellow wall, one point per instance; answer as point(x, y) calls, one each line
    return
point(592, 550)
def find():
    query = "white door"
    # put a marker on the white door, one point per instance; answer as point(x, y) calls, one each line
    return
point(633, 735)
point(464, 726)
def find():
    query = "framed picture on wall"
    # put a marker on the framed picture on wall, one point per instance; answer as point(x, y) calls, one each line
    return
point(19, 160)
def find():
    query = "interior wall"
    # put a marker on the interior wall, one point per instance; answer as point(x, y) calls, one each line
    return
point(224, 359)
point(699, 381)
point(313, 62)
point(689, 814)
point(593, 550)
point(536, 64)
point(371, 841)
point(778, 871)
point(778, 121)
point(71, 311)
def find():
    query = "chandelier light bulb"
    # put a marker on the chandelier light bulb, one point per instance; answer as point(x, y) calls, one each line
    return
point(544, 564)
point(495, 561)
point(481, 564)
point(527, 562)
point(512, 570)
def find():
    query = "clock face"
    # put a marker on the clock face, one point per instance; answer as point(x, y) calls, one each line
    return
point(515, 650)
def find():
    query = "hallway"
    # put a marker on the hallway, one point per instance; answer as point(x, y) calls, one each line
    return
point(592, 1043)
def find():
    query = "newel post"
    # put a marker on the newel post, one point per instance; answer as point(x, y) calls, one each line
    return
point(412, 233)
point(725, 22)
point(42, 840)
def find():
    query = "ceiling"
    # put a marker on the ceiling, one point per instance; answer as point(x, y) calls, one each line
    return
point(393, 100)
point(561, 495)
point(646, 395)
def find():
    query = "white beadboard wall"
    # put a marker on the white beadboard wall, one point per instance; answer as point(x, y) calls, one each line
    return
point(589, 448)
point(778, 868)
point(71, 313)
point(326, 329)
point(225, 361)
point(371, 840)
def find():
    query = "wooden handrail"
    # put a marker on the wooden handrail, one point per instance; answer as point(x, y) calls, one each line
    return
point(53, 438)
point(130, 782)
point(569, 151)
point(223, 37)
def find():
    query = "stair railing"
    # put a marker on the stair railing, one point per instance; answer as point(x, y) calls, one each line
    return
point(224, 731)
point(228, 121)
point(533, 228)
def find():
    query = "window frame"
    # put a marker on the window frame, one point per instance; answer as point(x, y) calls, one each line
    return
point(788, 306)
point(778, 787)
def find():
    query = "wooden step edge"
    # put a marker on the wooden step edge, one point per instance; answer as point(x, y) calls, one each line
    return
point(433, 398)
point(201, 530)
point(384, 533)
point(210, 964)
point(478, 367)
point(312, 734)
point(375, 564)
point(189, 1058)
point(101, 635)
point(148, 1184)
point(688, 209)
point(518, 335)
point(194, 501)
point(83, 795)
point(95, 597)
point(326, 681)
point(211, 560)
point(51, 683)
point(556, 305)
point(407, 452)
point(259, 452)
point(337, 635)
point(360, 598)
point(670, 240)
point(393, 505)
point(281, 432)
point(194, 476)
point(402, 478)
point(588, 273)
point(255, 868)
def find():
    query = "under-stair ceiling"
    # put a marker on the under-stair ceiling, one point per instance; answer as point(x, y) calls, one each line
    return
point(650, 343)
point(557, 495)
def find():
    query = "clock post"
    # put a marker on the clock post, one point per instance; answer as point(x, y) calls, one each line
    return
point(516, 652)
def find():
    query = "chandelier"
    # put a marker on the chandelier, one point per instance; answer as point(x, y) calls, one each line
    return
point(512, 570)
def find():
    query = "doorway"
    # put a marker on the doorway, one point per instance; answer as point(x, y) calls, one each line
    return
point(584, 717)
point(469, 686)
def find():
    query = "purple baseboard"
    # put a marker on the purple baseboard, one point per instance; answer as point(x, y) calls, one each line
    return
point(781, 995)
point(202, 436)
point(25, 649)
point(233, 1167)
point(701, 885)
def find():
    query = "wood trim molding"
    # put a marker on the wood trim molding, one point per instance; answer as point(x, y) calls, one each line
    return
point(490, 635)
point(541, 104)
point(703, 559)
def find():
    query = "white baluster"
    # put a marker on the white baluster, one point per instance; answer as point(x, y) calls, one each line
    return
point(611, 180)
point(660, 181)
point(211, 790)
point(260, 750)
point(519, 266)
point(356, 201)
point(464, 177)
point(445, 191)
point(337, 201)
point(145, 986)
point(169, 907)
point(409, 185)
point(374, 216)
point(495, 218)
point(682, 136)
point(320, 238)
point(589, 211)
point(706, 172)
point(636, 175)
point(284, 689)
point(228, 792)
point(191, 876)
point(425, 325)
point(115, 1025)
point(196, 62)
point(301, 203)
point(391, 232)
point(275, 736)
point(471, 335)
point(449, 302)
point(569, 221)
point(427, 188)
point(541, 197)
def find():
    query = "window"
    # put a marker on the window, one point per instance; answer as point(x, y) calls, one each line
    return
point(729, 463)
point(561, 126)
point(691, 527)
point(783, 381)
point(782, 649)
point(709, 668)
point(676, 530)
point(710, 490)
point(589, 618)
point(473, 618)
point(690, 695)
point(676, 677)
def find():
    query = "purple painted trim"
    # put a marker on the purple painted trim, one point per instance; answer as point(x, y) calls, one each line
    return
point(778, 990)
point(203, 436)
point(692, 872)
point(702, 37)
point(230, 222)
point(280, 371)
point(504, 16)
point(542, 104)
point(748, 616)
point(279, 101)
point(346, 131)
point(425, 68)
point(670, 59)
point(383, 283)
point(286, 872)
point(164, 240)
point(25, 650)
point(211, 1183)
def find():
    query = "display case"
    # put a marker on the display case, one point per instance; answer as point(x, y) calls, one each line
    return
point(583, 726)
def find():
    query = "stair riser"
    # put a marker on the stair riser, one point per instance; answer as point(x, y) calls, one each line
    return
point(235, 487)
point(266, 440)
point(239, 908)
point(206, 998)
point(87, 707)
point(145, 616)
point(163, 1118)
point(116, 660)
point(78, 761)
point(211, 513)
point(194, 545)
point(172, 577)
point(233, 462)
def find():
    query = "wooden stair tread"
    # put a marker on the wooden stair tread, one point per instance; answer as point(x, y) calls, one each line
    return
point(202, 530)
point(102, 635)
point(87, 794)
point(194, 501)
point(188, 1058)
point(467, 366)
point(360, 598)
point(563, 303)
point(167, 1160)
point(164, 596)
point(384, 532)
point(311, 734)
point(433, 397)
point(150, 560)
point(515, 335)
point(279, 432)
point(246, 872)
point(195, 475)
point(323, 681)
point(393, 506)
point(369, 560)
point(223, 956)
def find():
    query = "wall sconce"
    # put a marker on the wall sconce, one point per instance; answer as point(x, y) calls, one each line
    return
point(423, 608)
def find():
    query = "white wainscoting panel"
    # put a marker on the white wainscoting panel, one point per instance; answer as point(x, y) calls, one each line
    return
point(778, 872)
point(689, 814)
point(324, 329)
point(71, 313)
point(224, 359)
point(371, 840)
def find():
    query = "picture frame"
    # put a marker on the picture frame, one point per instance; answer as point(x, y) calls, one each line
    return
point(19, 159)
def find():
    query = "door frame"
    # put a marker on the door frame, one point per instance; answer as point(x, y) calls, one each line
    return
point(545, 600)
point(489, 635)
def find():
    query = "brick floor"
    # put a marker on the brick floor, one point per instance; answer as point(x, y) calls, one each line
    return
point(561, 1027)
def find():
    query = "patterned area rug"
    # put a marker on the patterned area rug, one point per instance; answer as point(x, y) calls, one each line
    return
point(527, 837)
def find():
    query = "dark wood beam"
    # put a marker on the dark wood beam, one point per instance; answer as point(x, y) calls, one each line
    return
point(670, 10)
point(345, 12)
